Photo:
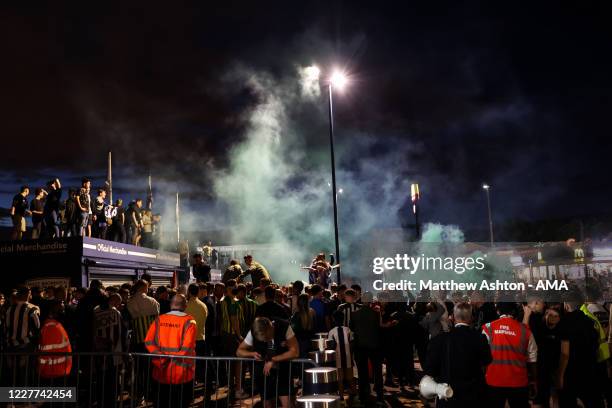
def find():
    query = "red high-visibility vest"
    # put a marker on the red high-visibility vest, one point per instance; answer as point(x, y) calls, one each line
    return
point(172, 334)
point(509, 340)
point(53, 338)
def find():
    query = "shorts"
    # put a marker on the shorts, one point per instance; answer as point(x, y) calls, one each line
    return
point(278, 383)
point(228, 345)
point(83, 219)
point(19, 222)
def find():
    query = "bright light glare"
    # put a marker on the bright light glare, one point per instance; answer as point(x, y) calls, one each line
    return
point(485, 186)
point(338, 80)
point(312, 73)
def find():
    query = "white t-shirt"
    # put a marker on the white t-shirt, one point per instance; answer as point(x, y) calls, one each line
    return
point(249, 337)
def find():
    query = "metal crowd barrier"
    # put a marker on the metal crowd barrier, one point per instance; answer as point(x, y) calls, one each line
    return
point(124, 380)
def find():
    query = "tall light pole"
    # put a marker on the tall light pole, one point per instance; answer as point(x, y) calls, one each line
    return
point(177, 212)
point(486, 188)
point(337, 80)
point(415, 196)
point(109, 177)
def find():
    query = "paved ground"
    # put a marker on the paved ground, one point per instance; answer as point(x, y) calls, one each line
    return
point(406, 397)
point(394, 397)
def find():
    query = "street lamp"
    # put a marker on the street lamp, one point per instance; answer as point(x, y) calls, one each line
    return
point(337, 80)
point(486, 188)
point(415, 196)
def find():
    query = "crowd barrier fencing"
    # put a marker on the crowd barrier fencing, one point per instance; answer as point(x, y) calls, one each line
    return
point(121, 380)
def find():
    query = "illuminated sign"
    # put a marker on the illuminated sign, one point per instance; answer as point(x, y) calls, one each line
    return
point(98, 248)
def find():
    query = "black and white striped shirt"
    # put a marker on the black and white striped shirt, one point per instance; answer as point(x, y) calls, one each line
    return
point(344, 354)
point(107, 329)
point(22, 324)
point(347, 309)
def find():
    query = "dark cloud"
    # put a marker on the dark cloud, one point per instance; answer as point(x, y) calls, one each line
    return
point(516, 94)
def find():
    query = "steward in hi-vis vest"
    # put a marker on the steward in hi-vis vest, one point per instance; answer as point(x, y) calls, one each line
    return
point(511, 374)
point(173, 334)
point(54, 339)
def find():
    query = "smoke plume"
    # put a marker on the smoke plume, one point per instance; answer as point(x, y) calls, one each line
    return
point(277, 182)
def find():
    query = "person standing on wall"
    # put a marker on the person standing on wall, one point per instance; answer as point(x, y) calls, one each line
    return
point(19, 210)
point(37, 206)
point(83, 201)
point(52, 209)
point(255, 269)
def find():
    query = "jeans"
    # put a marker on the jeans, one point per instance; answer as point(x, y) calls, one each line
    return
point(83, 218)
point(71, 229)
point(37, 227)
point(100, 229)
point(53, 230)
point(118, 233)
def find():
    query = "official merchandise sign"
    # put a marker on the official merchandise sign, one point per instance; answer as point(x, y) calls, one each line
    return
point(97, 248)
point(46, 282)
point(32, 247)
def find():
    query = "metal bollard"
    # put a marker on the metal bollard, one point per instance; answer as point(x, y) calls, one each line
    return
point(319, 401)
point(325, 357)
point(321, 381)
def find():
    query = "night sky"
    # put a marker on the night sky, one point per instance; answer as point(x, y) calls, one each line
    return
point(516, 94)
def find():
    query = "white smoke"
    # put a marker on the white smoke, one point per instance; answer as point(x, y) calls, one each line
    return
point(277, 181)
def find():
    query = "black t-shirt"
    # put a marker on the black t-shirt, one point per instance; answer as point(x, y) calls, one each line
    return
point(579, 330)
point(272, 310)
point(52, 203)
point(21, 204)
point(164, 306)
point(209, 326)
point(201, 272)
point(332, 305)
point(365, 323)
point(118, 218)
point(486, 313)
point(71, 210)
point(549, 349)
point(130, 219)
point(36, 205)
point(537, 326)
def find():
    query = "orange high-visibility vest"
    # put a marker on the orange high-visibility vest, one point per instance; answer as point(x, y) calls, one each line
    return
point(53, 338)
point(509, 341)
point(172, 334)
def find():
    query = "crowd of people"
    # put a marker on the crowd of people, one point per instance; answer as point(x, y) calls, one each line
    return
point(490, 353)
point(80, 214)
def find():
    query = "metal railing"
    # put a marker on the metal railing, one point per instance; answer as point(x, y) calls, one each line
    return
point(125, 379)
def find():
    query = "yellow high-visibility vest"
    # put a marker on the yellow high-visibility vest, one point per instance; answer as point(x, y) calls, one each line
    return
point(603, 352)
